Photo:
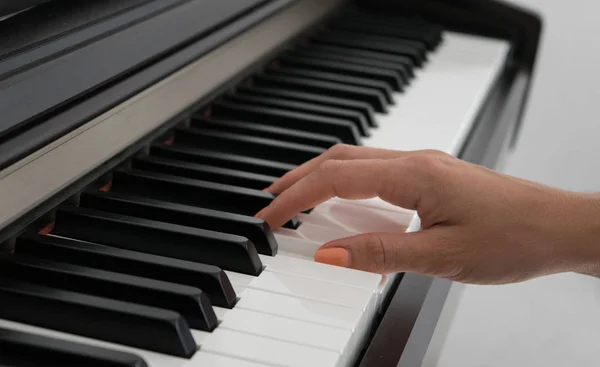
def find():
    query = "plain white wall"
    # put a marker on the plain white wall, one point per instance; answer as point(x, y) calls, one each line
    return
point(554, 321)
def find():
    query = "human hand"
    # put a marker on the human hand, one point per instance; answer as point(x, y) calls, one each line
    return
point(478, 226)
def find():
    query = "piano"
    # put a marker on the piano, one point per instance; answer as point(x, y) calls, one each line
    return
point(135, 140)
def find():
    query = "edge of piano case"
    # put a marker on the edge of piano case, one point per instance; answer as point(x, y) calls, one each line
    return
point(407, 326)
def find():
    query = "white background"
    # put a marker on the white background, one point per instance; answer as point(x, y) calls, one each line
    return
point(553, 321)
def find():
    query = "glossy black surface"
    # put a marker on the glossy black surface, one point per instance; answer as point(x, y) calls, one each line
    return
point(190, 302)
point(256, 230)
point(21, 349)
point(226, 160)
point(210, 279)
point(226, 251)
point(203, 194)
point(119, 322)
point(243, 144)
point(267, 131)
point(203, 172)
point(342, 129)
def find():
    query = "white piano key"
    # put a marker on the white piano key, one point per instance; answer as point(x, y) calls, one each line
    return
point(304, 288)
point(357, 218)
point(314, 233)
point(285, 329)
point(263, 350)
point(471, 62)
point(332, 274)
point(299, 309)
point(297, 247)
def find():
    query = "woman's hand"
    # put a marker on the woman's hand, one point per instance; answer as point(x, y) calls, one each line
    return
point(478, 226)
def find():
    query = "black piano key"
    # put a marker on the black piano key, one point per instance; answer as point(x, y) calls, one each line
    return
point(203, 194)
point(255, 229)
point(225, 160)
point(267, 131)
point(396, 22)
point(343, 130)
point(426, 35)
point(130, 324)
point(22, 349)
point(327, 89)
point(404, 61)
point(419, 46)
point(401, 70)
point(210, 279)
point(246, 145)
point(190, 302)
point(363, 108)
point(377, 85)
point(316, 63)
point(226, 251)
point(203, 172)
point(281, 102)
point(364, 43)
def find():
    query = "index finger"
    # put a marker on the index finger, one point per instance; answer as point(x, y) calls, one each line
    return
point(356, 179)
point(337, 152)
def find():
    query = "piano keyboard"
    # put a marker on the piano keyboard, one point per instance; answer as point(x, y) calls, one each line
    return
point(163, 264)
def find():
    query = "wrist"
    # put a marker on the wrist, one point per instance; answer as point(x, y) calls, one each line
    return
point(587, 242)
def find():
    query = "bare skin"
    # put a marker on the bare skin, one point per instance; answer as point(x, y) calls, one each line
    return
point(478, 226)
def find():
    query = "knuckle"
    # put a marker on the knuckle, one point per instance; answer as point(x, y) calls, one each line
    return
point(330, 166)
point(421, 163)
point(377, 254)
point(340, 151)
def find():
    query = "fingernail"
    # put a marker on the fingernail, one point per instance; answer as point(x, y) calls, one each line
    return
point(333, 256)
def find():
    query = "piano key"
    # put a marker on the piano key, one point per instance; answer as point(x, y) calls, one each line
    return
point(19, 348)
point(255, 229)
point(305, 288)
point(425, 35)
point(358, 218)
point(389, 77)
point(203, 172)
point(279, 102)
point(328, 89)
point(265, 350)
point(267, 131)
point(158, 238)
point(396, 21)
point(200, 358)
point(225, 160)
point(381, 87)
point(243, 144)
point(190, 302)
point(361, 107)
point(360, 43)
point(209, 195)
point(323, 272)
point(343, 130)
point(400, 60)
point(285, 329)
point(419, 46)
point(119, 322)
point(208, 278)
point(401, 70)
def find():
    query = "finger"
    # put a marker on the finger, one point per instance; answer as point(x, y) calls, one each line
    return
point(384, 253)
point(393, 181)
point(337, 152)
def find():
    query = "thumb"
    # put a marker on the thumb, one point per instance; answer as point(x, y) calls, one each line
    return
point(381, 253)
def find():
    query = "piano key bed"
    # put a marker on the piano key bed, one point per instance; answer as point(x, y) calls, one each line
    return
point(160, 262)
